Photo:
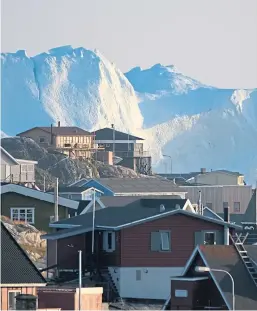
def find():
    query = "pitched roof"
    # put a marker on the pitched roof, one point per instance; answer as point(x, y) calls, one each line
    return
point(9, 156)
point(16, 267)
point(132, 214)
point(210, 213)
point(39, 195)
point(61, 130)
point(107, 134)
point(226, 257)
point(139, 185)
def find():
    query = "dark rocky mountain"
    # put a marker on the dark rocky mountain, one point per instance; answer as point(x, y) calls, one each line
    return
point(52, 164)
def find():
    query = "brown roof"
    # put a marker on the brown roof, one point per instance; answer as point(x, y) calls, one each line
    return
point(226, 257)
point(61, 130)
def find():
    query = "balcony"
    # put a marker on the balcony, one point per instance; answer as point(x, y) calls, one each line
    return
point(130, 154)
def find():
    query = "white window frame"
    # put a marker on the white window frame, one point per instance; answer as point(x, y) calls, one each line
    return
point(105, 241)
point(42, 138)
point(208, 232)
point(18, 292)
point(26, 212)
point(163, 247)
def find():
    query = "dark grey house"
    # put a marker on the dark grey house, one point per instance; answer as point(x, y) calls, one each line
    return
point(125, 146)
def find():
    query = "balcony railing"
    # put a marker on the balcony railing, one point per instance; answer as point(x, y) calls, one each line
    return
point(128, 154)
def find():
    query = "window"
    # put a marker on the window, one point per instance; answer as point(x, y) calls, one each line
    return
point(181, 293)
point(41, 139)
point(109, 241)
point(25, 214)
point(237, 207)
point(209, 238)
point(160, 241)
point(138, 275)
point(165, 241)
point(12, 299)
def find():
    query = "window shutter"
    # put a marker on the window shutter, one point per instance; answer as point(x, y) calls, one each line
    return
point(155, 241)
point(199, 238)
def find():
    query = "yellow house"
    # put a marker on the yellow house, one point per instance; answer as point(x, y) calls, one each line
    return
point(70, 140)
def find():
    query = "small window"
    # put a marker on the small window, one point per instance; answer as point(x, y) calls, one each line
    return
point(165, 241)
point(23, 214)
point(24, 168)
point(41, 139)
point(109, 241)
point(209, 238)
point(237, 207)
point(12, 299)
point(181, 293)
point(138, 275)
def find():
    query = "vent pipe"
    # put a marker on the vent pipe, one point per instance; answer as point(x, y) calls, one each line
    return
point(203, 170)
point(162, 208)
point(226, 227)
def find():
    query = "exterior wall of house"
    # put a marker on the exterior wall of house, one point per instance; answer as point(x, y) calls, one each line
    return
point(218, 178)
point(104, 156)
point(142, 270)
point(38, 133)
point(43, 210)
point(68, 299)
point(5, 293)
point(215, 196)
point(6, 165)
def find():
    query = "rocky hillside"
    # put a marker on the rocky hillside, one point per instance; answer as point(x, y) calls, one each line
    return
point(55, 164)
point(28, 238)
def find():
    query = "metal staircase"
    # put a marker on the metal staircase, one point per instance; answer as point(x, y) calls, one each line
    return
point(239, 244)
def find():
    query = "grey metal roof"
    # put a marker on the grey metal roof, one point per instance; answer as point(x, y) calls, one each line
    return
point(71, 189)
point(116, 215)
point(107, 134)
point(16, 267)
point(139, 185)
point(111, 201)
point(226, 257)
point(61, 130)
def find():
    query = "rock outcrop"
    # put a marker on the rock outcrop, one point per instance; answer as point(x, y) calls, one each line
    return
point(52, 164)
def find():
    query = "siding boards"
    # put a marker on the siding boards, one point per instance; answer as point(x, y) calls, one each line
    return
point(219, 194)
point(136, 241)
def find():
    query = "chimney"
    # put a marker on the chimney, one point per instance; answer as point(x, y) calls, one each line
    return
point(59, 123)
point(113, 138)
point(226, 228)
point(51, 134)
point(203, 170)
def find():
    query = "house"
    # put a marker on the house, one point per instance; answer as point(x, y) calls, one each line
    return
point(133, 186)
point(18, 273)
point(78, 193)
point(136, 248)
point(32, 206)
point(127, 147)
point(70, 140)
point(213, 177)
point(216, 197)
point(17, 170)
point(207, 288)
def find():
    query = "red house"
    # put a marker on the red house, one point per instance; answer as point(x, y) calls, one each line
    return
point(137, 247)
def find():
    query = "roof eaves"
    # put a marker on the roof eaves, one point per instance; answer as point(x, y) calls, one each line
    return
point(15, 161)
point(40, 195)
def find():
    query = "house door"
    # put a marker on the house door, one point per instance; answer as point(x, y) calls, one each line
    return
point(209, 238)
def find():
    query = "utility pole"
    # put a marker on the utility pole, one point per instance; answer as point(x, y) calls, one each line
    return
point(56, 216)
point(93, 224)
point(80, 277)
point(168, 156)
point(113, 139)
